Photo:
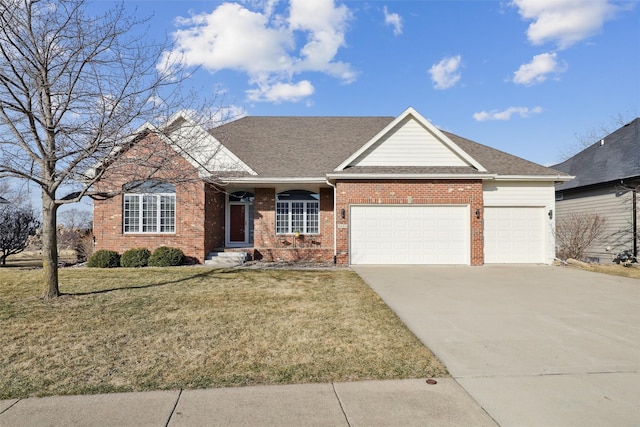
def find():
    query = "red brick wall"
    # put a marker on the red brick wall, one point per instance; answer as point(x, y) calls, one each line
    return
point(191, 195)
point(214, 218)
point(399, 192)
point(272, 247)
point(200, 210)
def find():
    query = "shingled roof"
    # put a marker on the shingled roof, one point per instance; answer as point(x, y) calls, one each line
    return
point(615, 157)
point(297, 146)
point(280, 147)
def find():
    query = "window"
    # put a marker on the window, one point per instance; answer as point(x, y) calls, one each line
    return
point(149, 207)
point(297, 211)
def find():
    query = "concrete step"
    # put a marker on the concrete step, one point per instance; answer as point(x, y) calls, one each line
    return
point(225, 259)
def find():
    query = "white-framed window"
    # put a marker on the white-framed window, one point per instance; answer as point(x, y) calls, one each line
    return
point(149, 207)
point(297, 211)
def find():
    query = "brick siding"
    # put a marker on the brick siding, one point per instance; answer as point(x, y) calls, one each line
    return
point(200, 211)
point(418, 192)
point(270, 246)
point(199, 205)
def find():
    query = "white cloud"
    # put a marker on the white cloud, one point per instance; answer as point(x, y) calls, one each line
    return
point(523, 112)
point(538, 69)
point(262, 44)
point(325, 26)
point(280, 92)
point(445, 74)
point(564, 22)
point(393, 20)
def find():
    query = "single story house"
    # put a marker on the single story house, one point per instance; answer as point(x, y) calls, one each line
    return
point(352, 190)
point(607, 179)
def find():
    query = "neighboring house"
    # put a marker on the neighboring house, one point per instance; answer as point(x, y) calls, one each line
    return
point(355, 190)
point(3, 200)
point(607, 179)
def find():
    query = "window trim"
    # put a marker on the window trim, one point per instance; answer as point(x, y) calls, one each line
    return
point(158, 213)
point(306, 215)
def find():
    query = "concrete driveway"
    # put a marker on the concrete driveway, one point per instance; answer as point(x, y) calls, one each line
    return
point(534, 345)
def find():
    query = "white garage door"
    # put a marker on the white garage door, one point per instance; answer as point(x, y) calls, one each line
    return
point(513, 235)
point(409, 235)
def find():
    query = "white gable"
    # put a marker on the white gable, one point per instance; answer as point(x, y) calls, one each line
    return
point(202, 150)
point(410, 140)
point(409, 144)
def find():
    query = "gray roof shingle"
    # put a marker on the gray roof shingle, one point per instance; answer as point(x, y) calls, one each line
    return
point(615, 157)
point(280, 147)
point(297, 146)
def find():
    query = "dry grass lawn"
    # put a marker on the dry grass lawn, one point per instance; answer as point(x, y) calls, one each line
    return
point(616, 270)
point(34, 258)
point(194, 327)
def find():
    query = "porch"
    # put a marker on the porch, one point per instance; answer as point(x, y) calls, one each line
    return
point(275, 224)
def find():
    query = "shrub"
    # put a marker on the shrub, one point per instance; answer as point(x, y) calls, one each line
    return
point(166, 256)
point(576, 232)
point(104, 259)
point(136, 257)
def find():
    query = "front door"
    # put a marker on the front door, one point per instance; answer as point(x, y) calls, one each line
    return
point(237, 221)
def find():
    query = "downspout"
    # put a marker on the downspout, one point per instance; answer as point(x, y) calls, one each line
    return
point(634, 221)
point(335, 222)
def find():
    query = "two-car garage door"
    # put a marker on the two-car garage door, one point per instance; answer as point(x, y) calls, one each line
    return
point(409, 234)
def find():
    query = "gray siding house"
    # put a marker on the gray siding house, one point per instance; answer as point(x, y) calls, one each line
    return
point(607, 180)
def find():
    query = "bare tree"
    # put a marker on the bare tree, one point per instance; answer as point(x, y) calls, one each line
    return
point(596, 133)
point(76, 219)
point(74, 87)
point(576, 231)
point(17, 223)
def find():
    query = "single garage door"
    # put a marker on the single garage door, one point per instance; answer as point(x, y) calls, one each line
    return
point(409, 234)
point(514, 235)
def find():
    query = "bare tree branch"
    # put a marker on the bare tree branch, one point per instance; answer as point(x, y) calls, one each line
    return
point(575, 232)
point(74, 89)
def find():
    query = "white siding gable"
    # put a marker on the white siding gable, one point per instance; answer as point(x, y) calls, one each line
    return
point(409, 143)
point(202, 150)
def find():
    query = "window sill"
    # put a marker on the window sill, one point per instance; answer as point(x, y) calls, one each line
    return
point(148, 233)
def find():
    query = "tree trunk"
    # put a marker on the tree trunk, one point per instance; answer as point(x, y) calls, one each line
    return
point(49, 246)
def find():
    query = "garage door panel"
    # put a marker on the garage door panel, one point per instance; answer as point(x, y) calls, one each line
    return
point(514, 235)
point(409, 235)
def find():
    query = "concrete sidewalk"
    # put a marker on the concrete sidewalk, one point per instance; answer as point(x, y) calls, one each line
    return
point(365, 403)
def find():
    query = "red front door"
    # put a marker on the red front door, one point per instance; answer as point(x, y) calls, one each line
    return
point(236, 223)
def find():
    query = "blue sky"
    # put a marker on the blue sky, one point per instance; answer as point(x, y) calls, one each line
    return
point(523, 76)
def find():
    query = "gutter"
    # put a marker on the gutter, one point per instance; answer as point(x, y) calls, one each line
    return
point(555, 178)
point(483, 176)
point(266, 181)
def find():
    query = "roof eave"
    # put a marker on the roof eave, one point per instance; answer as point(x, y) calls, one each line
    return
point(274, 180)
point(554, 178)
point(361, 176)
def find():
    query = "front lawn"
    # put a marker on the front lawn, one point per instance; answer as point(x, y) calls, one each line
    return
point(194, 327)
point(632, 271)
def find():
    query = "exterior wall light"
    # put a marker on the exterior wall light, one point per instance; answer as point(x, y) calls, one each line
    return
point(342, 213)
point(550, 213)
point(478, 213)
